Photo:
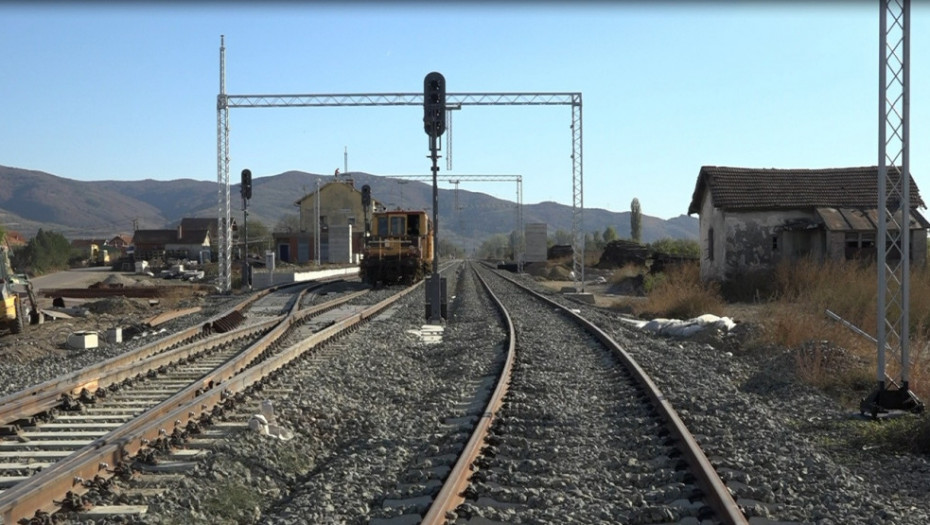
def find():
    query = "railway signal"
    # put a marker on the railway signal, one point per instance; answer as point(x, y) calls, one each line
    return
point(434, 123)
point(246, 188)
point(434, 104)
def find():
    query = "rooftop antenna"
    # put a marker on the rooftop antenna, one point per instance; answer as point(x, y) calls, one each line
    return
point(345, 160)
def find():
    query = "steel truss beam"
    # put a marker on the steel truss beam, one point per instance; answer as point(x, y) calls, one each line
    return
point(226, 101)
point(518, 237)
point(894, 205)
point(401, 99)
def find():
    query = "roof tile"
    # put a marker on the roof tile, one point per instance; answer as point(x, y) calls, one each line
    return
point(769, 189)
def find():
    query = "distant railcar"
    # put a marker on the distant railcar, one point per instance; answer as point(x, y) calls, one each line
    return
point(399, 249)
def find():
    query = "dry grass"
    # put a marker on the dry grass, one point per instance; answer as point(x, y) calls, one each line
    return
point(793, 313)
point(807, 289)
point(627, 271)
point(680, 294)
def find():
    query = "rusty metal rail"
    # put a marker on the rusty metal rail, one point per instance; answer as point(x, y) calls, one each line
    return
point(170, 316)
point(47, 395)
point(99, 459)
point(451, 494)
point(716, 492)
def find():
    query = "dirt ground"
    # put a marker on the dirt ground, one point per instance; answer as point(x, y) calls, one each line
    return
point(49, 338)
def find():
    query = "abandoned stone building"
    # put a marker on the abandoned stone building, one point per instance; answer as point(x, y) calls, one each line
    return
point(752, 219)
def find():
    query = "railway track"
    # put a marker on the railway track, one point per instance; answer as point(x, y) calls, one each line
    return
point(390, 431)
point(582, 432)
point(149, 398)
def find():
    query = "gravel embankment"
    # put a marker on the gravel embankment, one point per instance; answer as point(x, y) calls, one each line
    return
point(576, 439)
point(378, 419)
point(780, 446)
point(361, 453)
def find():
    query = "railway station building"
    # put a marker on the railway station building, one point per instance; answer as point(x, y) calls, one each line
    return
point(752, 219)
point(340, 210)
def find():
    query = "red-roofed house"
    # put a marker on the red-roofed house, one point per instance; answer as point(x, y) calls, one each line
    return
point(15, 239)
point(177, 244)
point(752, 219)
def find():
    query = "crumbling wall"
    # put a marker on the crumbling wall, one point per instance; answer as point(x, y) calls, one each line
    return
point(754, 243)
point(712, 239)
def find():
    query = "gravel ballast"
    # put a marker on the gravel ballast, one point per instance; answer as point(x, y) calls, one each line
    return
point(362, 455)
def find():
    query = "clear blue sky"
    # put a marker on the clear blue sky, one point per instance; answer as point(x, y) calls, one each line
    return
point(100, 92)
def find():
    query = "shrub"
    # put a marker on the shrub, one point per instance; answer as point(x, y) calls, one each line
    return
point(679, 293)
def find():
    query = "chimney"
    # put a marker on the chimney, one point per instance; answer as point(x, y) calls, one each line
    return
point(179, 232)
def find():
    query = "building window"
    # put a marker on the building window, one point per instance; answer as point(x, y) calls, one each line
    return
point(860, 245)
point(710, 244)
point(775, 243)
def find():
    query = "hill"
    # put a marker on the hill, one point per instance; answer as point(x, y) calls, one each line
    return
point(30, 200)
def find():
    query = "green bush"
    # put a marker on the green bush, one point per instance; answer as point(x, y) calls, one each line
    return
point(46, 252)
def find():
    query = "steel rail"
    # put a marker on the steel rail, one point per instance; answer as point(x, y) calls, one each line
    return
point(47, 395)
point(156, 320)
point(450, 495)
point(40, 492)
point(719, 497)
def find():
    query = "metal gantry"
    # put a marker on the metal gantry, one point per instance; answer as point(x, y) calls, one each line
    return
point(894, 207)
point(226, 101)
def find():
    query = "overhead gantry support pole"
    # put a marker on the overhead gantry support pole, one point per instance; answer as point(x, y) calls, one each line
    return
point(577, 195)
point(894, 210)
point(223, 223)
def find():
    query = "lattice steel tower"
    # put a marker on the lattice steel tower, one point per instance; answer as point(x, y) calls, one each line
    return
point(223, 226)
point(895, 203)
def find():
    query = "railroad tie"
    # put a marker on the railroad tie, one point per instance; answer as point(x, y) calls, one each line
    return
point(228, 322)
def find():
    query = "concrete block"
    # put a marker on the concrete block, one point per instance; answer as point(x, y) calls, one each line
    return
point(83, 340)
point(115, 335)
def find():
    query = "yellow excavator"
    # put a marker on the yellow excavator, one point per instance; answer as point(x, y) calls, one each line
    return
point(13, 316)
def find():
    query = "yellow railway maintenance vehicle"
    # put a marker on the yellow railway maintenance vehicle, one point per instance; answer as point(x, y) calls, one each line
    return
point(399, 248)
point(13, 315)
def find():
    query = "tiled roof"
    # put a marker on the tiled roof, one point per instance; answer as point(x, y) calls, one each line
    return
point(771, 189)
point(198, 223)
point(192, 236)
point(169, 237)
point(155, 236)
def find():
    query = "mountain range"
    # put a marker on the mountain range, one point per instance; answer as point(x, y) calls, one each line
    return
point(30, 200)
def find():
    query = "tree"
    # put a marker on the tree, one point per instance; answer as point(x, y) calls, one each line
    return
point(562, 237)
point(46, 252)
point(448, 249)
point(610, 234)
point(288, 223)
point(677, 247)
point(636, 220)
point(593, 241)
point(259, 237)
point(496, 247)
